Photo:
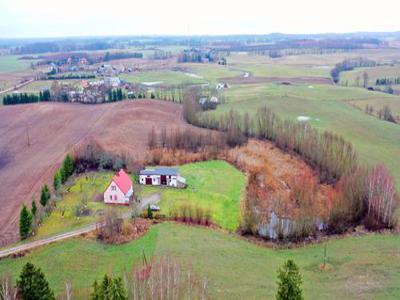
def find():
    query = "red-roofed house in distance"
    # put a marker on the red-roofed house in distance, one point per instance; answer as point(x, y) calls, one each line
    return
point(120, 190)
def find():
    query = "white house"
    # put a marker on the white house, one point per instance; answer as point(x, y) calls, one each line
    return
point(120, 190)
point(162, 176)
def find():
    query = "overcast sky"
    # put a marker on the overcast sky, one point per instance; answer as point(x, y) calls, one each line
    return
point(54, 18)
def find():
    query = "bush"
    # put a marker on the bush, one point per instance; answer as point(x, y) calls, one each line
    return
point(289, 282)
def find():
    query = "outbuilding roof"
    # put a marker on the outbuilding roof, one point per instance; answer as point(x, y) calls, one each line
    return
point(123, 181)
point(160, 171)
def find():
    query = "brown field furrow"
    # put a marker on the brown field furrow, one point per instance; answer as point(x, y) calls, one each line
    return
point(54, 128)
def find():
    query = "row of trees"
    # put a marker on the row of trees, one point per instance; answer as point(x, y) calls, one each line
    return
point(187, 139)
point(387, 81)
point(29, 219)
point(115, 95)
point(71, 76)
point(384, 113)
point(350, 64)
point(22, 98)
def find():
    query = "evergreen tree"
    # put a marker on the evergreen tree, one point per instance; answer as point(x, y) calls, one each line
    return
point(120, 96)
point(289, 282)
point(149, 212)
point(34, 208)
point(109, 289)
point(44, 195)
point(68, 166)
point(25, 223)
point(57, 181)
point(32, 284)
point(63, 175)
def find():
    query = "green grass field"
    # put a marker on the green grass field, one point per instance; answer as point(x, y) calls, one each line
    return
point(163, 77)
point(213, 184)
point(366, 267)
point(11, 63)
point(376, 141)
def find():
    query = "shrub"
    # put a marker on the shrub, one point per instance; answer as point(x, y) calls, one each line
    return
point(382, 199)
point(289, 282)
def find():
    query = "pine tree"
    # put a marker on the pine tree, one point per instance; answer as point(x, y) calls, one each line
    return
point(289, 282)
point(56, 181)
point(149, 212)
point(109, 289)
point(25, 223)
point(68, 165)
point(44, 195)
point(34, 208)
point(32, 284)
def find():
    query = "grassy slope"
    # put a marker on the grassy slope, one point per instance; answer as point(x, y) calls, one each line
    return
point(11, 63)
point(360, 267)
point(373, 73)
point(166, 77)
point(376, 141)
point(213, 184)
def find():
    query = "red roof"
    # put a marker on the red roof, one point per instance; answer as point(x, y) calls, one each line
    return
point(123, 181)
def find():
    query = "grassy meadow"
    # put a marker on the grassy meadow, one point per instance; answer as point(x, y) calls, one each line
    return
point(366, 267)
point(12, 63)
point(162, 77)
point(215, 185)
point(376, 141)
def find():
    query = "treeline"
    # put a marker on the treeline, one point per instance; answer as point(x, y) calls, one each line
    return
point(384, 113)
point(121, 55)
point(387, 81)
point(187, 139)
point(115, 95)
point(71, 76)
point(350, 64)
point(22, 98)
point(329, 154)
point(197, 56)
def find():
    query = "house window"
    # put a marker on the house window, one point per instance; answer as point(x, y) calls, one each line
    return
point(115, 197)
point(110, 197)
point(113, 188)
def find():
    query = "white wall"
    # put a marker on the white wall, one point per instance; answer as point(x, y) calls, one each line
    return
point(115, 196)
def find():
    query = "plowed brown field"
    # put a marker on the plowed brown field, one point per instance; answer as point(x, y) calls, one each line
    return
point(53, 129)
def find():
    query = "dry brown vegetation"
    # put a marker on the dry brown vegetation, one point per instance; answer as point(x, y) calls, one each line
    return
point(116, 230)
point(54, 129)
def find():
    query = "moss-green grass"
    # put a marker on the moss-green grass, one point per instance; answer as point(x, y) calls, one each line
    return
point(216, 185)
point(366, 267)
point(11, 63)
